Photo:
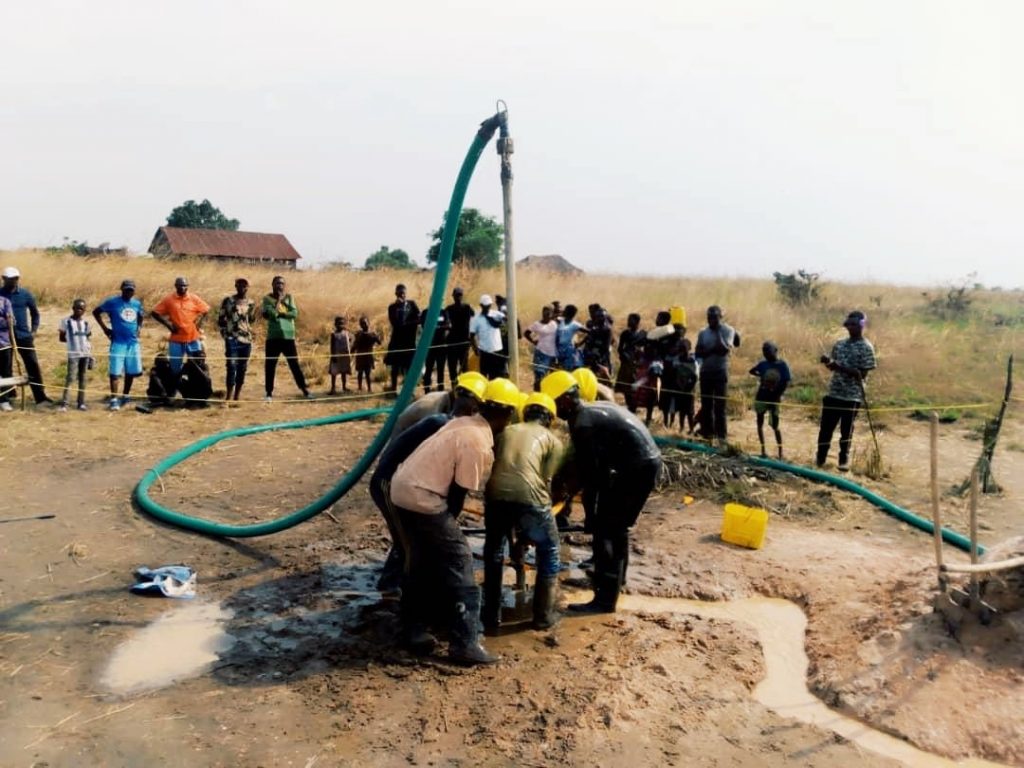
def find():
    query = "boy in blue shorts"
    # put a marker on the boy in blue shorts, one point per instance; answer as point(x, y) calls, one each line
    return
point(775, 377)
point(125, 313)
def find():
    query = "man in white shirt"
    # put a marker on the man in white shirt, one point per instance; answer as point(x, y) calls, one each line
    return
point(485, 335)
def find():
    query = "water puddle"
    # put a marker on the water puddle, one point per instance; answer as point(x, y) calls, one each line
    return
point(181, 644)
point(780, 626)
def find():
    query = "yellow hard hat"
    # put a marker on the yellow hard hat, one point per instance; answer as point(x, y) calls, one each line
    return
point(539, 398)
point(502, 392)
point(523, 396)
point(557, 383)
point(588, 384)
point(474, 383)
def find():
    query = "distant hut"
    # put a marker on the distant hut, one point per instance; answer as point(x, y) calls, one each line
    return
point(224, 245)
point(550, 263)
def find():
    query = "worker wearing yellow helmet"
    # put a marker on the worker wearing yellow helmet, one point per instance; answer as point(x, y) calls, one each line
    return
point(617, 464)
point(518, 497)
point(436, 402)
point(465, 401)
point(427, 493)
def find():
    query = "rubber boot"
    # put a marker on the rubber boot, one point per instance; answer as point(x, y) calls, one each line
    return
point(545, 594)
point(465, 647)
point(415, 636)
point(390, 579)
point(606, 595)
point(490, 614)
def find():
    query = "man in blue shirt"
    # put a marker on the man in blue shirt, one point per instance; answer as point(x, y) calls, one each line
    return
point(125, 313)
point(26, 324)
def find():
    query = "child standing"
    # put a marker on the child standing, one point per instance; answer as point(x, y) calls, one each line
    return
point(75, 332)
point(341, 356)
point(775, 377)
point(363, 344)
point(684, 374)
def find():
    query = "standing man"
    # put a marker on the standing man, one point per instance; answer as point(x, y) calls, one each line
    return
point(6, 351)
point(182, 313)
point(485, 335)
point(280, 312)
point(714, 345)
point(542, 335)
point(437, 354)
point(235, 319)
point(459, 316)
point(404, 316)
point(617, 464)
point(26, 324)
point(851, 360)
point(125, 314)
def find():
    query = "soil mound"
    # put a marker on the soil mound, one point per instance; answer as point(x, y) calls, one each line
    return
point(550, 263)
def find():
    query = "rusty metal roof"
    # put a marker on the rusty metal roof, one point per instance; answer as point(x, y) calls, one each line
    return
point(224, 243)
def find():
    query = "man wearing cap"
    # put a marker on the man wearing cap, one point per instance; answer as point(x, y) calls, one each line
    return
point(427, 491)
point(465, 401)
point(851, 360)
point(125, 314)
point(182, 313)
point(235, 318)
point(617, 464)
point(518, 497)
point(485, 335)
point(26, 324)
point(459, 316)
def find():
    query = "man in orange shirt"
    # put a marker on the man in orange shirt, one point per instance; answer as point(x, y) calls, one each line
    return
point(182, 313)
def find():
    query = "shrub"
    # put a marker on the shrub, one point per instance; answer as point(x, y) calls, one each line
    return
point(798, 288)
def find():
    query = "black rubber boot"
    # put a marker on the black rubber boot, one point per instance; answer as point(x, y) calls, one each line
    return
point(545, 595)
point(465, 647)
point(606, 596)
point(418, 640)
point(490, 614)
point(390, 579)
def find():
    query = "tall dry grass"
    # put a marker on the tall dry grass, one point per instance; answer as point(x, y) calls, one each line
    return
point(923, 361)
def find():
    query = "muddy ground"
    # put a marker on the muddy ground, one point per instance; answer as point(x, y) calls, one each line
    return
point(313, 677)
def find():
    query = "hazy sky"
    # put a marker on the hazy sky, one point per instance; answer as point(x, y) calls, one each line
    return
point(878, 140)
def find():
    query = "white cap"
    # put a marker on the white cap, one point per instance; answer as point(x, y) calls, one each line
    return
point(11, 272)
point(485, 300)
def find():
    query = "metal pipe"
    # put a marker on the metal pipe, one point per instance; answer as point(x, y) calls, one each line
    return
point(505, 149)
point(933, 441)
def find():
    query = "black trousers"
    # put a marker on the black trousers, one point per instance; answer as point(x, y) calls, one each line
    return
point(6, 372)
point(836, 411)
point(712, 405)
point(618, 505)
point(458, 358)
point(273, 349)
point(493, 365)
point(436, 358)
point(27, 350)
point(395, 566)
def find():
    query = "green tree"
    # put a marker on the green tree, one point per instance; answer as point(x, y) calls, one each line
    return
point(385, 258)
point(478, 240)
point(204, 215)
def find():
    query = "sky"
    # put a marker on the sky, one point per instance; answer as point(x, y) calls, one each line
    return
point(863, 140)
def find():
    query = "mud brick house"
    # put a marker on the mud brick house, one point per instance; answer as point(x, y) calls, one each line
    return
point(224, 245)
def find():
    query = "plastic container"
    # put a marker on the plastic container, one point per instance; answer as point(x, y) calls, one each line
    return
point(677, 315)
point(744, 526)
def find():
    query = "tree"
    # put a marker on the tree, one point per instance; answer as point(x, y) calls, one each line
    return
point(385, 258)
point(204, 215)
point(478, 240)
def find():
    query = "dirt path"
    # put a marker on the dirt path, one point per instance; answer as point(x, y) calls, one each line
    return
point(313, 676)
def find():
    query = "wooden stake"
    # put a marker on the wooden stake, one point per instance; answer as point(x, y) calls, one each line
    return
point(975, 596)
point(936, 512)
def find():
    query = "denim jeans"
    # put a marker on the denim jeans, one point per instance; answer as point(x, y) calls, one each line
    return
point(237, 354)
point(176, 351)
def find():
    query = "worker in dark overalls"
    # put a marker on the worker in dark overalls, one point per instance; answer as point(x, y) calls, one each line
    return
point(617, 464)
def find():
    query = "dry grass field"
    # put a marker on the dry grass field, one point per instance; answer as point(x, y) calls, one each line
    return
point(926, 358)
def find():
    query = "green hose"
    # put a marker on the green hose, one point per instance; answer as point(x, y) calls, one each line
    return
point(444, 263)
point(951, 537)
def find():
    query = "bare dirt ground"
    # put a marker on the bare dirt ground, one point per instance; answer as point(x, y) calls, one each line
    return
point(313, 676)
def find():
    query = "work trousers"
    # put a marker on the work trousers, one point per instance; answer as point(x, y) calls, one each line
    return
point(439, 557)
point(27, 350)
point(6, 372)
point(273, 349)
point(616, 508)
point(397, 560)
point(493, 365)
point(236, 363)
point(458, 359)
point(713, 388)
point(836, 411)
point(77, 367)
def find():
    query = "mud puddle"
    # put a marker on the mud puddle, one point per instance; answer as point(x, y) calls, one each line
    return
point(182, 643)
point(781, 626)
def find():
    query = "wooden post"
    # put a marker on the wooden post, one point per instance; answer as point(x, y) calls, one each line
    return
point(974, 593)
point(936, 512)
point(992, 428)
